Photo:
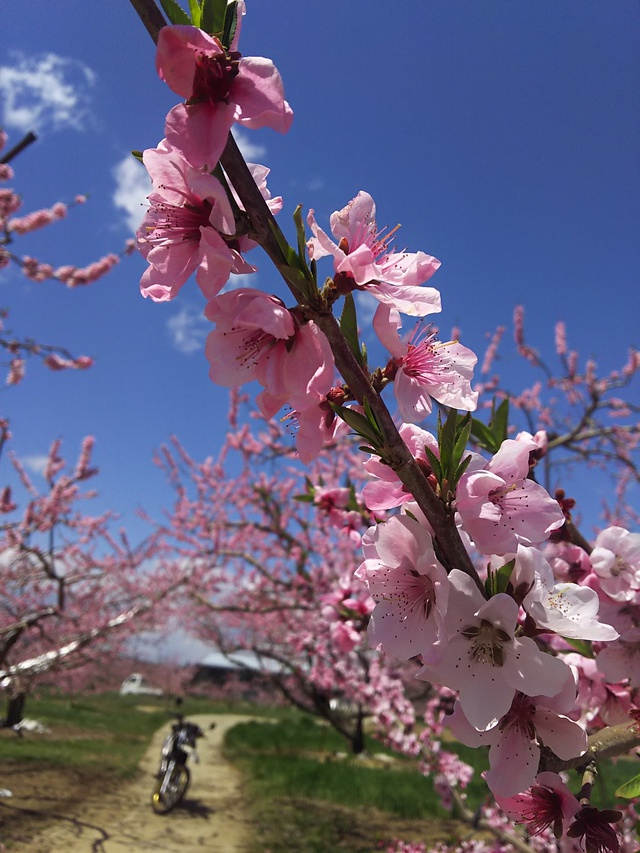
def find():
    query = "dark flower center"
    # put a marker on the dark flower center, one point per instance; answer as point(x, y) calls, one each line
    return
point(214, 77)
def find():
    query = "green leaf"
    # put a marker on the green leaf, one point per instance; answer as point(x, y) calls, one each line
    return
point(349, 327)
point(294, 270)
point(213, 15)
point(582, 646)
point(175, 13)
point(502, 576)
point(196, 12)
point(137, 155)
point(300, 231)
point(304, 498)
point(447, 442)
point(370, 416)
point(462, 439)
point(500, 422)
point(435, 464)
point(483, 434)
point(630, 789)
point(462, 467)
point(359, 423)
point(230, 23)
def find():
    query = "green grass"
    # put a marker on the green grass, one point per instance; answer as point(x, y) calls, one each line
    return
point(304, 798)
point(106, 730)
point(276, 757)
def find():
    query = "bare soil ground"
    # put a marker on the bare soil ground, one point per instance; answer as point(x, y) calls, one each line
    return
point(55, 813)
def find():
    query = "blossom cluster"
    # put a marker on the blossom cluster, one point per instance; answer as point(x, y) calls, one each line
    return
point(471, 565)
point(195, 224)
point(35, 270)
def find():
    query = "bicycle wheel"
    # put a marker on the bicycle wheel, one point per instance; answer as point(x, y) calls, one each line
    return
point(174, 790)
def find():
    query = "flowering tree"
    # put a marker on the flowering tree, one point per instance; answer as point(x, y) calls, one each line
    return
point(11, 227)
point(290, 539)
point(71, 589)
point(476, 569)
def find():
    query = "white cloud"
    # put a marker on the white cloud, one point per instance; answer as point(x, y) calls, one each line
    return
point(238, 280)
point(250, 150)
point(35, 464)
point(132, 188)
point(188, 329)
point(45, 92)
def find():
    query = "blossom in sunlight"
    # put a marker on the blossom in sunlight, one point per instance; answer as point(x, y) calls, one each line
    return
point(317, 425)
point(483, 658)
point(386, 490)
point(181, 231)
point(424, 368)
point(514, 742)
point(220, 87)
point(257, 337)
point(410, 587)
point(567, 609)
point(500, 507)
point(363, 259)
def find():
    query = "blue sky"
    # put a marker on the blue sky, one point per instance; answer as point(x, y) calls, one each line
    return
point(503, 136)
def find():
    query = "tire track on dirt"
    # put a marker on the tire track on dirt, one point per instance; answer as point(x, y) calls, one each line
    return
point(212, 816)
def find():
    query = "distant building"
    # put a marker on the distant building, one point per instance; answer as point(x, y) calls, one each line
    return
point(243, 666)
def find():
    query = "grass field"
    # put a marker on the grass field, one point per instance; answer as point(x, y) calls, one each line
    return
point(305, 794)
point(307, 798)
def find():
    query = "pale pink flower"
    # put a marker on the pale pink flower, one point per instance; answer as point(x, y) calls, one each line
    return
point(257, 337)
point(181, 231)
point(16, 371)
point(500, 507)
point(316, 425)
point(386, 490)
point(616, 560)
point(620, 660)
point(514, 742)
point(410, 587)
point(564, 608)
point(363, 260)
point(484, 660)
point(424, 368)
point(220, 88)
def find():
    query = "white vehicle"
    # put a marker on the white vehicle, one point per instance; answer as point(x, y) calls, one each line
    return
point(135, 685)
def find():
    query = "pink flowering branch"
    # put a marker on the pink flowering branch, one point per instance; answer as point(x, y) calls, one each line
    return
point(264, 230)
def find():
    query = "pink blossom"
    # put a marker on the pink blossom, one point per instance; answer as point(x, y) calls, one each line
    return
point(363, 260)
point(616, 560)
point(424, 368)
point(547, 804)
point(181, 230)
point(220, 88)
point(514, 742)
point(37, 219)
point(500, 507)
point(484, 660)
point(316, 425)
point(410, 587)
point(16, 371)
point(386, 490)
point(620, 660)
point(565, 608)
point(256, 337)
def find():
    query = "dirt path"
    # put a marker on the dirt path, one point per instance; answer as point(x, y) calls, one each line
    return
point(211, 817)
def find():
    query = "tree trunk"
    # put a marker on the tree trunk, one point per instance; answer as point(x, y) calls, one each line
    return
point(15, 710)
